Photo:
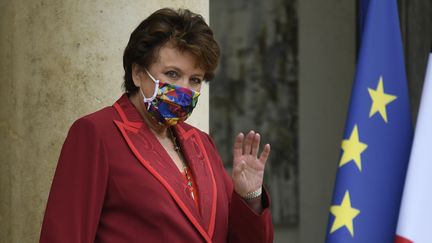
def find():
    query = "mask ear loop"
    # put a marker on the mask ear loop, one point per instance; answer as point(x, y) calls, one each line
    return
point(148, 101)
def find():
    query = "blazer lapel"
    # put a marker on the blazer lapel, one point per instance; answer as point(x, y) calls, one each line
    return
point(150, 153)
point(195, 153)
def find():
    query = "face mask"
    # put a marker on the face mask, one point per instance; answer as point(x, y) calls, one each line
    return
point(170, 103)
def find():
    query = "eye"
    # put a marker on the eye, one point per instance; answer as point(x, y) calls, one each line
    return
point(172, 74)
point(196, 81)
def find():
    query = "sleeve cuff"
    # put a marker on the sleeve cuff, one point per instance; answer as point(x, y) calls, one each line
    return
point(240, 204)
point(244, 220)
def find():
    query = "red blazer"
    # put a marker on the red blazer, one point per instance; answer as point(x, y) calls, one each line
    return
point(114, 182)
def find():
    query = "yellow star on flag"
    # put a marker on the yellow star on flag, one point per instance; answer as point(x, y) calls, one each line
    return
point(352, 149)
point(380, 100)
point(344, 215)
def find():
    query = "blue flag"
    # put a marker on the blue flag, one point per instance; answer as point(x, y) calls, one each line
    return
point(378, 136)
point(363, 6)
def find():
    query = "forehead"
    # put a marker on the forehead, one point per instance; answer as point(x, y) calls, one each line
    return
point(170, 56)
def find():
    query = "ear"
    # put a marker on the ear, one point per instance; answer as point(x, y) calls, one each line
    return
point(137, 76)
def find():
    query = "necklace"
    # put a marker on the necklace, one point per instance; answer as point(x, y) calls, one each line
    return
point(184, 166)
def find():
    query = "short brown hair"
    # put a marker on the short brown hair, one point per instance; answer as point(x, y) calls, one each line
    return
point(186, 30)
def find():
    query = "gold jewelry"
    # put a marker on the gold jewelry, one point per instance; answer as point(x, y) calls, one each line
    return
point(184, 166)
point(252, 195)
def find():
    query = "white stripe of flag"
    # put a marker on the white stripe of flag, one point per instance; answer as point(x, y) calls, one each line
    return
point(415, 215)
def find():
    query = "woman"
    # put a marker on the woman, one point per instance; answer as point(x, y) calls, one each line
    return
point(135, 172)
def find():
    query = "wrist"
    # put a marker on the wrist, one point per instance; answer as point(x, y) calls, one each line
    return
point(253, 195)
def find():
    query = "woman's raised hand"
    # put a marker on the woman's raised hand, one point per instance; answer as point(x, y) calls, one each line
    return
point(248, 168)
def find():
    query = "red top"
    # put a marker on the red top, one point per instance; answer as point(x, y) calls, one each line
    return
point(115, 182)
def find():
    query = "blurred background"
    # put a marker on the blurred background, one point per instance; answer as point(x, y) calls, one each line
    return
point(286, 71)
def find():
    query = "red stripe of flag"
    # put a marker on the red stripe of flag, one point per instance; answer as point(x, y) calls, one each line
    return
point(400, 239)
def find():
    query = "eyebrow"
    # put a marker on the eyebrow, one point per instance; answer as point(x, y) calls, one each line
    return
point(180, 71)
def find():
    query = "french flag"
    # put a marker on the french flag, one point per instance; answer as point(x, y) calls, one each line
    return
point(415, 215)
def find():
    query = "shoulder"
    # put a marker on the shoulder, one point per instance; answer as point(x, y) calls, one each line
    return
point(188, 128)
point(205, 137)
point(95, 123)
point(101, 116)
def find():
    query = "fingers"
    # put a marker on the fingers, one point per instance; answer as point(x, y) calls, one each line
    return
point(247, 145)
point(238, 146)
point(265, 154)
point(255, 144)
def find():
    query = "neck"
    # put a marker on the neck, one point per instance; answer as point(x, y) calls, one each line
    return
point(156, 128)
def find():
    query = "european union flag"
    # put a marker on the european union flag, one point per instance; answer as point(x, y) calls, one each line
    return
point(378, 136)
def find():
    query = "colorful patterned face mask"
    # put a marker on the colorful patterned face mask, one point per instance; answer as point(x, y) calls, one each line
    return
point(170, 103)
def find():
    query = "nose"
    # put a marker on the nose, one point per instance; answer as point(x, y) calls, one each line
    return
point(183, 82)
